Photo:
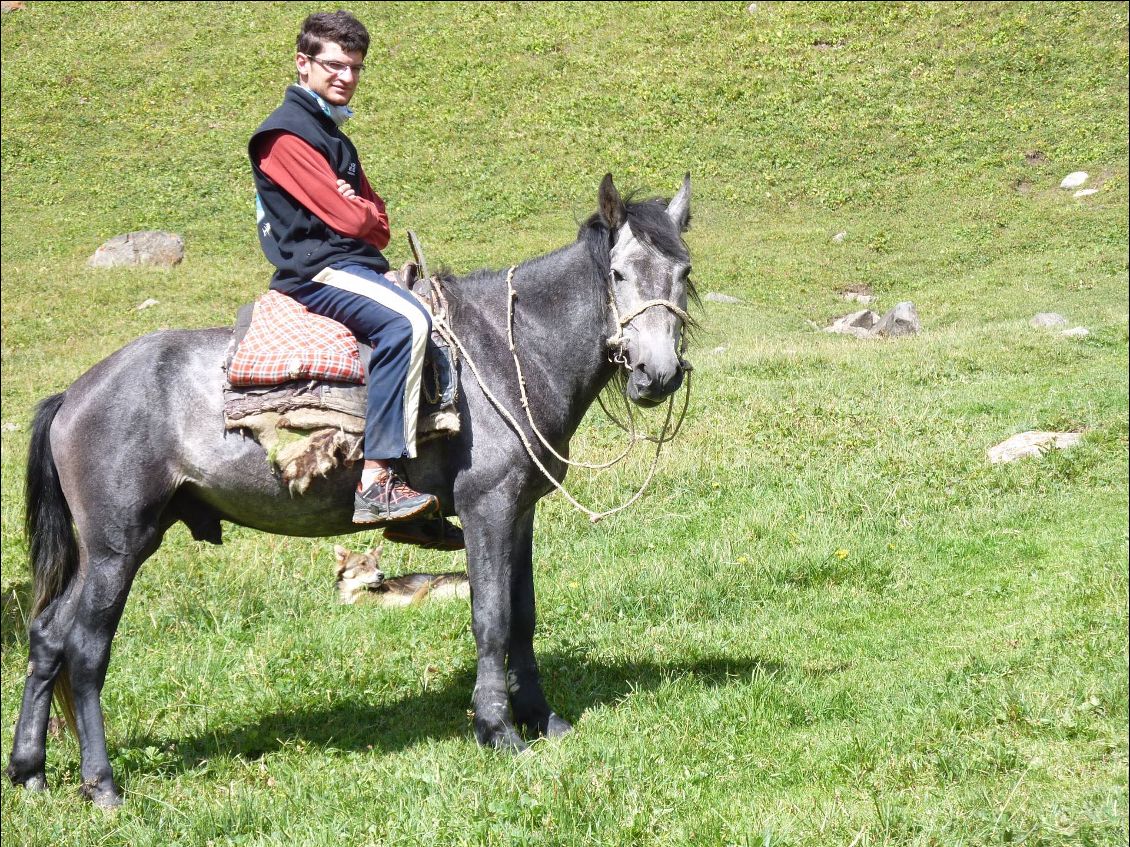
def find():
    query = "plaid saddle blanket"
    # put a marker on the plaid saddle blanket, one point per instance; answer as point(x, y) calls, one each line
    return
point(284, 341)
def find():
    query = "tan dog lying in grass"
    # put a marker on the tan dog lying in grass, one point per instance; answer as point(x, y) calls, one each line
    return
point(359, 575)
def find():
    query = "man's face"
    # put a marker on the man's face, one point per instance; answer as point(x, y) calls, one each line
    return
point(331, 72)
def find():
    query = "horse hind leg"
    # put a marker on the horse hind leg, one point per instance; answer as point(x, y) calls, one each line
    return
point(72, 637)
point(98, 609)
point(28, 759)
point(54, 562)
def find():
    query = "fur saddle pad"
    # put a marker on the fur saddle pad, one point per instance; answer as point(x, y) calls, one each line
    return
point(310, 416)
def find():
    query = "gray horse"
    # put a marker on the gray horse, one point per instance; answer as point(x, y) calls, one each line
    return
point(138, 443)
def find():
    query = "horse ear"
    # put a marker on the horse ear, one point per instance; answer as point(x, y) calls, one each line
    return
point(611, 204)
point(679, 209)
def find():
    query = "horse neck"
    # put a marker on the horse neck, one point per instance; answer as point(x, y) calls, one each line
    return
point(560, 326)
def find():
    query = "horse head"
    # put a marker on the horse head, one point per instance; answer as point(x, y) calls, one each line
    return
point(649, 280)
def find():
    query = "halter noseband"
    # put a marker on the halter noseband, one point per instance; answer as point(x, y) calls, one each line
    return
point(616, 344)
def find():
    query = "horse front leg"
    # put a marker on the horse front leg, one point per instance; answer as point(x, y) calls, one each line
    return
point(527, 699)
point(490, 532)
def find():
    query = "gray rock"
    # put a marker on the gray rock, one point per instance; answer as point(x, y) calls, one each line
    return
point(839, 237)
point(1047, 320)
point(860, 324)
point(154, 248)
point(1085, 192)
point(1075, 179)
point(721, 298)
point(1031, 443)
point(900, 321)
point(719, 350)
point(1076, 332)
point(856, 297)
point(146, 304)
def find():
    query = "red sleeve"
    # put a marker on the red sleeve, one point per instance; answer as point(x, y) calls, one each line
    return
point(303, 172)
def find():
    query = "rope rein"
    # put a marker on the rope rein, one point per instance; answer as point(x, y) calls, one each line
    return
point(666, 434)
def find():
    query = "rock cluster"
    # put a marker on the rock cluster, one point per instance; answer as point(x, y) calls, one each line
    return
point(900, 321)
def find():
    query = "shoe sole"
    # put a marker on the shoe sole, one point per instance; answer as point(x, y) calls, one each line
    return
point(366, 516)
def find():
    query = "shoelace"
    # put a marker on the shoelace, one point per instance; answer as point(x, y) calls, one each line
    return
point(387, 486)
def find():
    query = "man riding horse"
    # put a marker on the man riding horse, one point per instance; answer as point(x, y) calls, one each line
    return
point(323, 228)
point(138, 443)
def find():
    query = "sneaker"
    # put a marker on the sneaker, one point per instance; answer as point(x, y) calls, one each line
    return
point(390, 499)
point(436, 533)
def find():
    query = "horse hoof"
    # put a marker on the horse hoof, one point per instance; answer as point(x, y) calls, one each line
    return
point(500, 738)
point(36, 780)
point(101, 796)
point(35, 783)
point(549, 726)
point(557, 726)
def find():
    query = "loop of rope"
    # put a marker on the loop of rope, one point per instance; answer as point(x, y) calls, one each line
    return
point(448, 333)
point(621, 322)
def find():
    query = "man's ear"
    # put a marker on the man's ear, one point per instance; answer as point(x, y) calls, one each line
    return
point(611, 204)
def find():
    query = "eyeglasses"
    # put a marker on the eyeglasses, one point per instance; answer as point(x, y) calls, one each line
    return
point(337, 68)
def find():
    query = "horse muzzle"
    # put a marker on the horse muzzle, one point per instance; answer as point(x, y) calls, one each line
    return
point(649, 387)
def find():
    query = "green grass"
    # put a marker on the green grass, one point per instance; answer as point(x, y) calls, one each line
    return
point(829, 622)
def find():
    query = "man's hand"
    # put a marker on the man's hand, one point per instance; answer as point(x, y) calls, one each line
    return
point(346, 190)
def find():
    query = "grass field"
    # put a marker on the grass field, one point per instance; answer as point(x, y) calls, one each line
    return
point(829, 622)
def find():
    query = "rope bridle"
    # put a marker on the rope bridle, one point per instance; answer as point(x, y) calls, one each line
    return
point(617, 355)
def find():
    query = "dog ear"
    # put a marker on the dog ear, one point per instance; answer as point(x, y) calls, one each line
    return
point(340, 555)
point(375, 555)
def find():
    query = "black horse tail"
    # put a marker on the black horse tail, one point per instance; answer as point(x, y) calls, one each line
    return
point(50, 533)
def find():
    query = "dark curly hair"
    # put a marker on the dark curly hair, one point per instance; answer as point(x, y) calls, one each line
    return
point(338, 27)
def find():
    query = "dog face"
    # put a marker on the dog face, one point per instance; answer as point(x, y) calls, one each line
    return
point(357, 573)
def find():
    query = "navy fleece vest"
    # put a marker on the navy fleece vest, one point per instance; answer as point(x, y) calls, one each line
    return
point(296, 241)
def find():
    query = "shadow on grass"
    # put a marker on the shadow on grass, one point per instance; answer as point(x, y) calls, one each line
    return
point(573, 685)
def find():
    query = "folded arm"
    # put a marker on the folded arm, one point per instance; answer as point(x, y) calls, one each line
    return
point(303, 172)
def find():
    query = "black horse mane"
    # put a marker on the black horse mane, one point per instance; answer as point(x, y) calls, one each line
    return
point(650, 224)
